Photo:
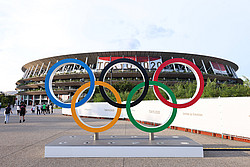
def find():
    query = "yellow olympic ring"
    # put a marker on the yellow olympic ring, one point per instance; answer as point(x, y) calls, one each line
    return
point(77, 118)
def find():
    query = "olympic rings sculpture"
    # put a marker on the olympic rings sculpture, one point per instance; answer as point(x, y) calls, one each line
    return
point(91, 85)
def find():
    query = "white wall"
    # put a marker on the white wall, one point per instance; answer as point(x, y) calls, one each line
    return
point(219, 115)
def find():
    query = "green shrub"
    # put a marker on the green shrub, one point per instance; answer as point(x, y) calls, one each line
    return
point(180, 90)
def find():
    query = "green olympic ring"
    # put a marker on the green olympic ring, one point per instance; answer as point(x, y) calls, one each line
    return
point(149, 129)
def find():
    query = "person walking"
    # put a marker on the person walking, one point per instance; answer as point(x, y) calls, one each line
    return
point(51, 108)
point(18, 109)
point(47, 108)
point(33, 108)
point(44, 108)
point(22, 112)
point(38, 109)
point(7, 114)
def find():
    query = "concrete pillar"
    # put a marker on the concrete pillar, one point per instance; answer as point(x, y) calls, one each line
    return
point(211, 66)
point(149, 64)
point(174, 66)
point(27, 73)
point(235, 73)
point(97, 64)
point(194, 61)
point(40, 100)
point(204, 66)
point(63, 68)
point(30, 72)
point(136, 69)
point(16, 100)
point(228, 70)
point(231, 71)
point(20, 99)
point(79, 67)
point(185, 66)
point(74, 66)
point(122, 65)
point(35, 70)
point(86, 62)
point(40, 69)
point(33, 100)
point(47, 68)
point(27, 100)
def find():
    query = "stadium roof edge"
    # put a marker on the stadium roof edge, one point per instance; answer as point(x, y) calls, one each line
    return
point(113, 53)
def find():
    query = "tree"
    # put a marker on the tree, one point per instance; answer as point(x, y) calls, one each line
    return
point(5, 100)
point(246, 81)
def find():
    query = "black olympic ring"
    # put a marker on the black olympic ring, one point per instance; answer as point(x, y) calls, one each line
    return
point(141, 69)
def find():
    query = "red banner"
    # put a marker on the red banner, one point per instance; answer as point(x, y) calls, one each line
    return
point(146, 62)
point(218, 68)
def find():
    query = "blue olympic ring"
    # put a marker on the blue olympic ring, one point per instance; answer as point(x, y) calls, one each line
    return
point(49, 78)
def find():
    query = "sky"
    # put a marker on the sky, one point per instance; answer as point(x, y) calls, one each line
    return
point(31, 30)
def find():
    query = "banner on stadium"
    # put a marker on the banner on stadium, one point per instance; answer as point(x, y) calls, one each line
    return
point(146, 62)
point(218, 68)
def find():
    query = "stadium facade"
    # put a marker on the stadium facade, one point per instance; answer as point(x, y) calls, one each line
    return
point(70, 77)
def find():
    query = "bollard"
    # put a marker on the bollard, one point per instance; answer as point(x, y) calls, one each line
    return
point(96, 136)
point(151, 136)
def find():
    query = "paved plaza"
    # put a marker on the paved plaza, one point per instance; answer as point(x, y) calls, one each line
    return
point(22, 144)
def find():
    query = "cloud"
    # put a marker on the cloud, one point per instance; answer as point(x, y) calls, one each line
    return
point(127, 44)
point(130, 43)
point(154, 31)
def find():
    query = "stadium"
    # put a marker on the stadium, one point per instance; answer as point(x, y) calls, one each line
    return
point(31, 88)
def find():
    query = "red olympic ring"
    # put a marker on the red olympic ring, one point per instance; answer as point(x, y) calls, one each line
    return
point(198, 75)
